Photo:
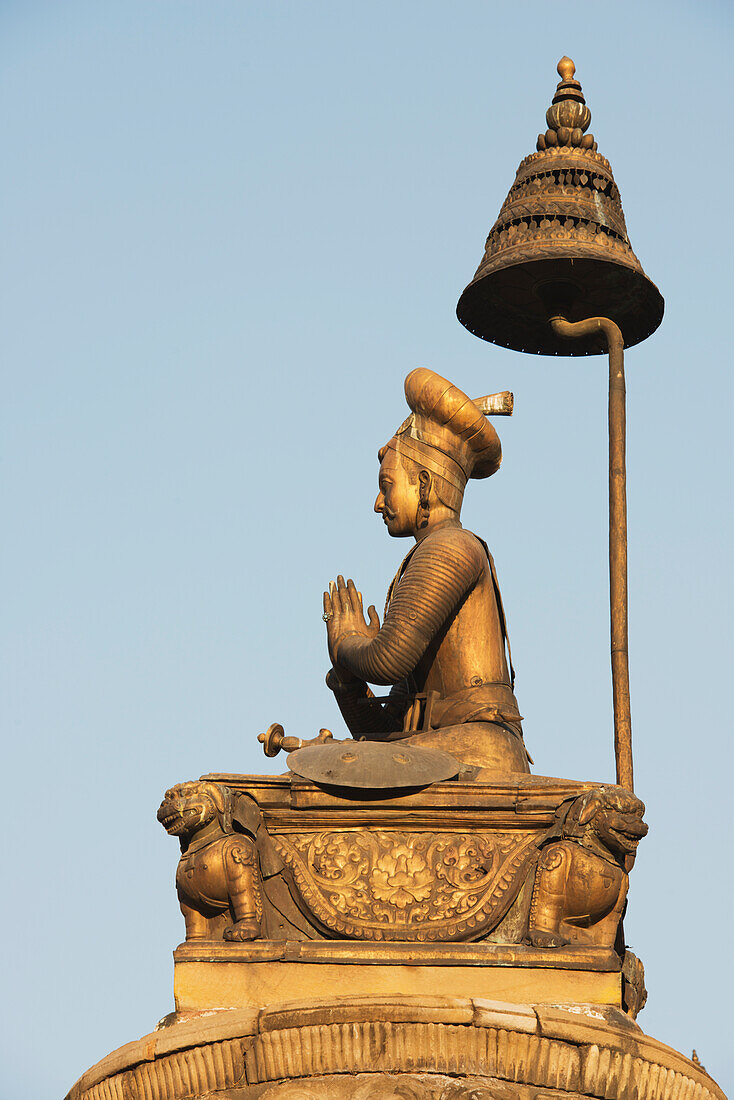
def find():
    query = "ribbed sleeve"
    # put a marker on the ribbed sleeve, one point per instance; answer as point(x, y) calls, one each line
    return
point(437, 577)
point(363, 714)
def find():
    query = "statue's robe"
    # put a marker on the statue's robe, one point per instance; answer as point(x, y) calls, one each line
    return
point(443, 649)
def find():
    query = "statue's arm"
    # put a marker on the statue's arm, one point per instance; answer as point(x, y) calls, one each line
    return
point(442, 570)
point(364, 715)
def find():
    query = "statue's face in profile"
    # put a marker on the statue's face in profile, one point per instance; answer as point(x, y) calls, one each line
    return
point(398, 498)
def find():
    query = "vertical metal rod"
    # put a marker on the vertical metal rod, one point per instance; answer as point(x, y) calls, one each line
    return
point(617, 533)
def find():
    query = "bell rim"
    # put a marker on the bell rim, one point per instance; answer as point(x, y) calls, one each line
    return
point(530, 332)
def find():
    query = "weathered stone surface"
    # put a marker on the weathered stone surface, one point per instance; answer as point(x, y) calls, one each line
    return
point(505, 1014)
point(440, 1010)
point(210, 984)
point(350, 1048)
point(383, 1086)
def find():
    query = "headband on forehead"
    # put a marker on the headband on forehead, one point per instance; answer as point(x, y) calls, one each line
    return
point(429, 457)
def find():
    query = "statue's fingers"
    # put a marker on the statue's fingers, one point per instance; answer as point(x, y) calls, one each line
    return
point(335, 606)
point(337, 602)
point(341, 589)
point(353, 596)
point(327, 607)
point(373, 617)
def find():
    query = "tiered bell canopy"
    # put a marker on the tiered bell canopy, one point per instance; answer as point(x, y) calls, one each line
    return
point(560, 245)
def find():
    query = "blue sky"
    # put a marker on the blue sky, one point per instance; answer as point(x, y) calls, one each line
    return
point(230, 230)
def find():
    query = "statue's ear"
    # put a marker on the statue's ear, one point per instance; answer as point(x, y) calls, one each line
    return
point(424, 486)
point(246, 816)
point(556, 830)
point(222, 799)
point(217, 795)
point(589, 805)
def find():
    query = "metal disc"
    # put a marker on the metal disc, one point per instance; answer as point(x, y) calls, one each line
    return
point(372, 764)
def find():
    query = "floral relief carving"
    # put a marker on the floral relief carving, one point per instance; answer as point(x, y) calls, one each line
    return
point(385, 885)
point(401, 877)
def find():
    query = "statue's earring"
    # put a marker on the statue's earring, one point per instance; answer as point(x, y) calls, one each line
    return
point(424, 507)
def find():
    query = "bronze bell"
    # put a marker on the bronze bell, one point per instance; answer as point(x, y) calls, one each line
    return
point(560, 246)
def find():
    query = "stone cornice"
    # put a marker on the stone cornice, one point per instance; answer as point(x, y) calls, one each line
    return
point(586, 1051)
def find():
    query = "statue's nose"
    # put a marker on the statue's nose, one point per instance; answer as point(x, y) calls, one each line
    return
point(379, 503)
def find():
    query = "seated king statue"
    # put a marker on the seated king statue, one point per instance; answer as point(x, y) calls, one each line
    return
point(442, 646)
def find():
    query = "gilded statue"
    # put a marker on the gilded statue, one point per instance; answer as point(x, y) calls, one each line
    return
point(442, 646)
point(442, 650)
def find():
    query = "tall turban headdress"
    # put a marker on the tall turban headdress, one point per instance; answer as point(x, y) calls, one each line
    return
point(448, 434)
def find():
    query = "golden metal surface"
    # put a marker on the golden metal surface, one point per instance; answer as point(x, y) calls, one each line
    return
point(365, 953)
point(442, 646)
point(559, 278)
point(218, 877)
point(360, 938)
point(617, 533)
point(529, 861)
point(560, 245)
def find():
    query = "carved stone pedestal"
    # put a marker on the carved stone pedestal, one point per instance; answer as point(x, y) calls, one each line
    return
point(459, 941)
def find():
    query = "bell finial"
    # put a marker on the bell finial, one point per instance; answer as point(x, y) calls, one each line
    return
point(568, 117)
point(565, 69)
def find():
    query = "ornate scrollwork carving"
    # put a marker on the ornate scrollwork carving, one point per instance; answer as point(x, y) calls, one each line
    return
point(403, 886)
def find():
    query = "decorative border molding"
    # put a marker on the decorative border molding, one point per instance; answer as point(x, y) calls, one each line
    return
point(196, 1072)
point(357, 953)
point(573, 155)
point(583, 239)
point(387, 1047)
point(584, 1051)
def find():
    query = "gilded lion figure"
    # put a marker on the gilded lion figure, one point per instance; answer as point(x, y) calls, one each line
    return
point(582, 879)
point(217, 879)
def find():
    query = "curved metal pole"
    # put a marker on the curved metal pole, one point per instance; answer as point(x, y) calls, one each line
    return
point(617, 533)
